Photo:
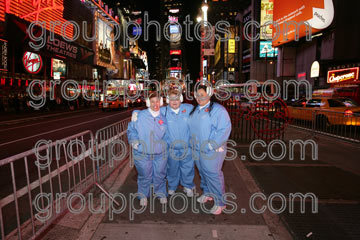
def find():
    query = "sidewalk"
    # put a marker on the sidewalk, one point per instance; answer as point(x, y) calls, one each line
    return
point(242, 224)
point(333, 179)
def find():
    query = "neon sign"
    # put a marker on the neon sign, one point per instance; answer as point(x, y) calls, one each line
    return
point(175, 52)
point(32, 62)
point(37, 10)
point(341, 75)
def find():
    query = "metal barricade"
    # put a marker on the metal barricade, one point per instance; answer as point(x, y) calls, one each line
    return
point(343, 125)
point(67, 169)
point(255, 121)
point(112, 148)
point(73, 165)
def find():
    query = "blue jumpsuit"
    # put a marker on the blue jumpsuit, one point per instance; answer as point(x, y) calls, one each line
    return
point(180, 163)
point(214, 127)
point(150, 157)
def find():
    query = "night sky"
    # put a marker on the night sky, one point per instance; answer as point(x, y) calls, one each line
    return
point(192, 56)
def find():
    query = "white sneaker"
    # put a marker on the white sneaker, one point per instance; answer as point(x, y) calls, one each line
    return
point(171, 192)
point(143, 201)
point(204, 199)
point(189, 192)
point(216, 210)
point(163, 200)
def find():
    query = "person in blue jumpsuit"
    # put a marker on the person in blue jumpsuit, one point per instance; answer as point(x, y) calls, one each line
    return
point(180, 168)
point(210, 128)
point(147, 135)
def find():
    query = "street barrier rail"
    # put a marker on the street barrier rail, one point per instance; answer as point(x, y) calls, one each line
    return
point(32, 174)
point(112, 148)
point(257, 121)
point(343, 125)
point(71, 165)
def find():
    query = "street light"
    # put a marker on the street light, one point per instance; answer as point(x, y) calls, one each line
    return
point(204, 9)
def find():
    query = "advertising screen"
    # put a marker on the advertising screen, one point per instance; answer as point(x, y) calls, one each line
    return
point(136, 31)
point(104, 30)
point(266, 49)
point(58, 68)
point(105, 47)
point(319, 14)
point(174, 29)
point(266, 15)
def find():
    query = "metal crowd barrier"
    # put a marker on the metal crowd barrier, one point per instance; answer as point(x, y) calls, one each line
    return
point(255, 121)
point(112, 145)
point(58, 174)
point(343, 125)
point(72, 169)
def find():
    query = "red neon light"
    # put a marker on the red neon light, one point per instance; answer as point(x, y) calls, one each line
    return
point(27, 83)
point(11, 81)
point(175, 52)
point(301, 75)
point(37, 10)
point(3, 81)
point(102, 8)
point(175, 68)
point(19, 82)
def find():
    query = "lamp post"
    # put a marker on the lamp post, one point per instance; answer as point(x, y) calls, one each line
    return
point(204, 9)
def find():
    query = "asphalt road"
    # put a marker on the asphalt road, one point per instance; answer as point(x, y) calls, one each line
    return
point(20, 135)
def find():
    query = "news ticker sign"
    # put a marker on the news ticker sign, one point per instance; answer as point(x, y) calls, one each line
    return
point(342, 75)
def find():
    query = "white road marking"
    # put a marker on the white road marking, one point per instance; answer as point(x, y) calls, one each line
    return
point(59, 119)
point(43, 116)
point(59, 129)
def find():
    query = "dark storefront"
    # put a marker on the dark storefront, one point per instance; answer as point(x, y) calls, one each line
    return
point(56, 59)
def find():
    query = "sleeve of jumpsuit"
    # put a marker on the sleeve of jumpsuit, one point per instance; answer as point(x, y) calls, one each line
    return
point(132, 132)
point(221, 128)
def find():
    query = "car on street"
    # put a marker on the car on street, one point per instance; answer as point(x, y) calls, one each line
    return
point(117, 104)
point(327, 111)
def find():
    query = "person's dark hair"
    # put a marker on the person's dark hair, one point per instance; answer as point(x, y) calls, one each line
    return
point(153, 94)
point(212, 100)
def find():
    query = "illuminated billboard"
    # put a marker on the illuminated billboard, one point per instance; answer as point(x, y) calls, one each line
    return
point(136, 31)
point(32, 62)
point(105, 47)
point(175, 52)
point(342, 75)
point(30, 10)
point(319, 14)
point(266, 15)
point(58, 68)
point(174, 29)
point(266, 49)
point(173, 18)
